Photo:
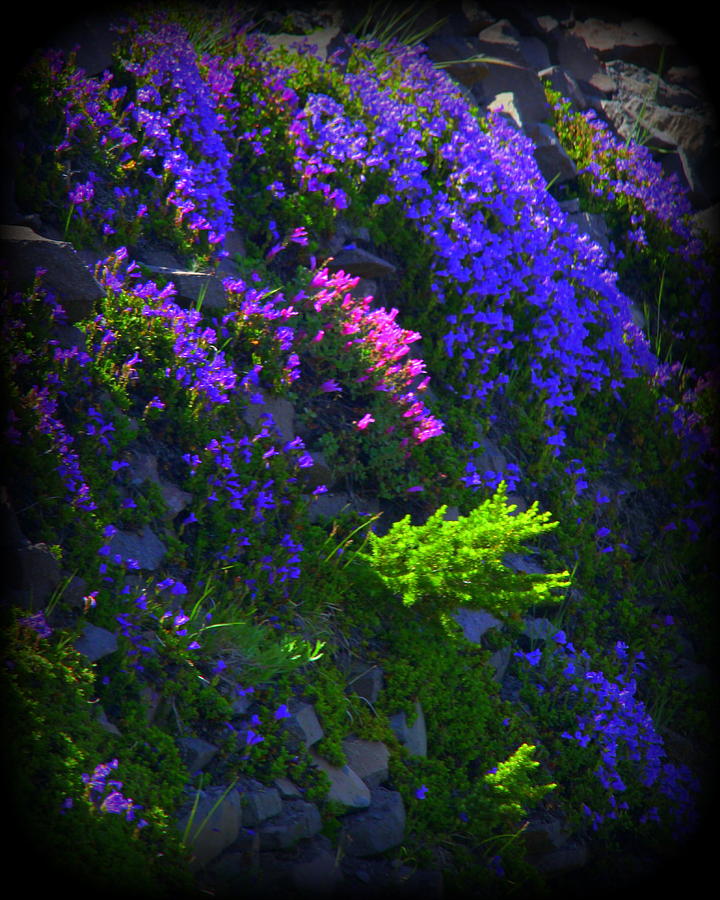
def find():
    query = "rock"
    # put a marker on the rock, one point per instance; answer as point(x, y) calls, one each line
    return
point(259, 802)
point(366, 680)
point(93, 38)
point(277, 415)
point(94, 642)
point(346, 786)
point(328, 506)
point(522, 564)
point(368, 759)
point(534, 52)
point(568, 858)
point(637, 41)
point(105, 723)
point(565, 84)
point(505, 103)
point(594, 225)
point(288, 790)
point(552, 158)
point(194, 287)
point(146, 548)
point(379, 828)
point(475, 623)
point(213, 826)
point(508, 72)
point(196, 753)
point(297, 820)
point(459, 56)
point(319, 873)
point(499, 662)
point(322, 40)
point(413, 737)
point(143, 467)
point(25, 251)
point(539, 629)
point(356, 261)
point(317, 474)
point(304, 724)
point(37, 575)
point(570, 51)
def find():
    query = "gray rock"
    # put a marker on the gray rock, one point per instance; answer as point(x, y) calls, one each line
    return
point(552, 158)
point(562, 81)
point(475, 623)
point(94, 39)
point(346, 786)
point(360, 262)
point(318, 874)
point(328, 505)
point(25, 251)
point(322, 40)
point(276, 414)
point(105, 723)
point(144, 467)
point(539, 629)
point(288, 790)
point(413, 737)
point(39, 575)
point(194, 287)
point(379, 828)
point(260, 804)
point(534, 52)
point(213, 826)
point(572, 53)
point(298, 820)
point(368, 759)
point(146, 548)
point(196, 753)
point(95, 642)
point(459, 56)
point(499, 662)
point(638, 41)
point(366, 680)
point(304, 724)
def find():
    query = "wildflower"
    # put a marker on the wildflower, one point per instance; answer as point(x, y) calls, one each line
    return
point(421, 792)
point(363, 423)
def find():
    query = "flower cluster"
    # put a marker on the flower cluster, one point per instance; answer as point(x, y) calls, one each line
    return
point(615, 726)
point(106, 795)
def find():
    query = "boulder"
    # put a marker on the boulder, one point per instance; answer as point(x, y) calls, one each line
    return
point(194, 288)
point(146, 547)
point(368, 759)
point(196, 753)
point(346, 786)
point(380, 828)
point(212, 824)
point(304, 724)
point(475, 623)
point(95, 642)
point(553, 160)
point(459, 56)
point(356, 261)
point(297, 820)
point(638, 41)
point(25, 251)
point(414, 736)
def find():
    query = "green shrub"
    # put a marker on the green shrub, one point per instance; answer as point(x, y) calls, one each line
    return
point(443, 564)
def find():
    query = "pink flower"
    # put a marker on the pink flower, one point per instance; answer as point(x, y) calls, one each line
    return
point(365, 421)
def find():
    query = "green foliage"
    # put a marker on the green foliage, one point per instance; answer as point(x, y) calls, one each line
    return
point(445, 564)
point(512, 784)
